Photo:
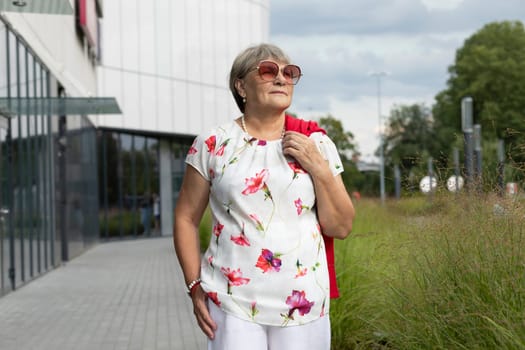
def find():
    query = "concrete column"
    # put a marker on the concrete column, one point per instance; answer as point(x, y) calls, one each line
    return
point(166, 189)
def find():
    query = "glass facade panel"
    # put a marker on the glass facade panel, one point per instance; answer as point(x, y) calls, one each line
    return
point(130, 182)
point(50, 215)
point(4, 210)
point(3, 59)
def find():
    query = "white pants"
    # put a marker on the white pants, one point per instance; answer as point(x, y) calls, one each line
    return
point(236, 334)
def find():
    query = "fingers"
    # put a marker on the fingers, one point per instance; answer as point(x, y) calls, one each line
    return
point(299, 146)
point(202, 314)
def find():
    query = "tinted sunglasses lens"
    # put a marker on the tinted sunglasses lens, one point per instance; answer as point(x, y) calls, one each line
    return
point(268, 70)
point(292, 73)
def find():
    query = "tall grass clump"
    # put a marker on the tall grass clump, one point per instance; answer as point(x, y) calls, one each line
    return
point(463, 284)
point(365, 264)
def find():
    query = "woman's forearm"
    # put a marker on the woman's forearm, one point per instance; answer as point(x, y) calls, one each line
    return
point(335, 210)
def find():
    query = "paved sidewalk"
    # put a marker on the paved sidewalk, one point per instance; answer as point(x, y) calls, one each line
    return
point(119, 295)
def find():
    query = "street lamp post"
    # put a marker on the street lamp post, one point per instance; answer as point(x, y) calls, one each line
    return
point(378, 76)
point(466, 126)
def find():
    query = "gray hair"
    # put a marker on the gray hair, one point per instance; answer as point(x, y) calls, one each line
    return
point(247, 60)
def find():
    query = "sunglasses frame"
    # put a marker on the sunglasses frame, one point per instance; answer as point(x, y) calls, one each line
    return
point(279, 69)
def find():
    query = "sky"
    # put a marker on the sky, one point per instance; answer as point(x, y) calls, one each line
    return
point(361, 58)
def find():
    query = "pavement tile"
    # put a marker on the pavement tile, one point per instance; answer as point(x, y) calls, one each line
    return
point(122, 295)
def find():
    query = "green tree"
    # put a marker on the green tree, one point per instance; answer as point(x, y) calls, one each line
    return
point(407, 140)
point(344, 141)
point(490, 68)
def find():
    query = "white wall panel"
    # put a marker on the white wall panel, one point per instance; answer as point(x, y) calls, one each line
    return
point(176, 57)
point(130, 35)
point(180, 119)
point(222, 59)
point(164, 104)
point(194, 114)
point(209, 109)
point(207, 44)
point(112, 34)
point(148, 103)
point(163, 23)
point(147, 38)
point(179, 38)
point(111, 81)
point(132, 103)
point(193, 32)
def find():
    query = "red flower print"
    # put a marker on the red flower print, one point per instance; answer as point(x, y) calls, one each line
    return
point(217, 230)
point(192, 149)
point(299, 206)
point(210, 142)
point(241, 239)
point(297, 301)
point(253, 309)
point(297, 168)
point(258, 223)
point(210, 260)
point(300, 270)
point(268, 261)
point(256, 183)
point(214, 298)
point(220, 151)
point(212, 173)
point(234, 277)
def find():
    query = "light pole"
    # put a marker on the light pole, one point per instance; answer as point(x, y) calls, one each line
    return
point(378, 76)
point(466, 126)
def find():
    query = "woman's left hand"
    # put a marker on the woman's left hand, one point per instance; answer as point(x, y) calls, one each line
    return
point(305, 151)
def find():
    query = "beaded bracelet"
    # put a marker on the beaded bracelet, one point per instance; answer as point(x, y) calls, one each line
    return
point(192, 285)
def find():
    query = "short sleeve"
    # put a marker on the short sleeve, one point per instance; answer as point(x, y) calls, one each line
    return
point(327, 148)
point(199, 154)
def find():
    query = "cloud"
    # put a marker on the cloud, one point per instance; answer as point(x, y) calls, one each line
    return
point(339, 42)
point(307, 17)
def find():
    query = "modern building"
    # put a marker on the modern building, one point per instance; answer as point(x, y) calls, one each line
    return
point(99, 101)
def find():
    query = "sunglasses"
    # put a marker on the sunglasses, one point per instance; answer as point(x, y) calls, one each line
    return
point(269, 70)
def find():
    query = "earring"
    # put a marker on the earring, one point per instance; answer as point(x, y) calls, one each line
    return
point(244, 100)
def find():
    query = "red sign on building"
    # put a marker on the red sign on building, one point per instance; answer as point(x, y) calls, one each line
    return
point(87, 15)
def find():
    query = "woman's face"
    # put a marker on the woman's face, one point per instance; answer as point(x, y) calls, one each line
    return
point(263, 92)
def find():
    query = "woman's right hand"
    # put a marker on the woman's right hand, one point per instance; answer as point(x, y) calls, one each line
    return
point(200, 309)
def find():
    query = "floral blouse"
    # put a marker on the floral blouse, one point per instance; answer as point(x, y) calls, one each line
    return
point(266, 259)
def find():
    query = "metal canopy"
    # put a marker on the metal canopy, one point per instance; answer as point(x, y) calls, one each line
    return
point(12, 107)
point(53, 7)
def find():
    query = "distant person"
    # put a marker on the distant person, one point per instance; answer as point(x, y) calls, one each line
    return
point(145, 213)
point(156, 212)
point(263, 283)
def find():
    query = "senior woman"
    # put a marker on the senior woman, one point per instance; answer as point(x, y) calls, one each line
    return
point(263, 282)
